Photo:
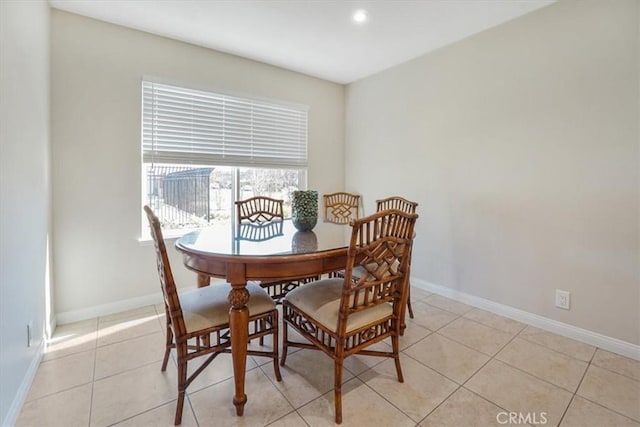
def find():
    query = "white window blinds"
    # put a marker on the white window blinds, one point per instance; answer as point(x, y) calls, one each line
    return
point(189, 126)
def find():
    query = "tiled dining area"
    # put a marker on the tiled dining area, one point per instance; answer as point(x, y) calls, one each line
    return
point(462, 367)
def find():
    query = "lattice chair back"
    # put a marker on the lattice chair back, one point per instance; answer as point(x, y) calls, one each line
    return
point(259, 209)
point(341, 207)
point(396, 202)
point(404, 205)
point(380, 245)
point(172, 307)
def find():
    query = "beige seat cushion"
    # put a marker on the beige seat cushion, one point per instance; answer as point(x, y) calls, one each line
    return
point(321, 300)
point(208, 306)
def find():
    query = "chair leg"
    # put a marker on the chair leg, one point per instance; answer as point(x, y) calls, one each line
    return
point(409, 302)
point(285, 337)
point(337, 385)
point(395, 344)
point(275, 326)
point(182, 381)
point(167, 349)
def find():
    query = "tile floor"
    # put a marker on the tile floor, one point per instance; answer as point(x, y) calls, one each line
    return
point(462, 367)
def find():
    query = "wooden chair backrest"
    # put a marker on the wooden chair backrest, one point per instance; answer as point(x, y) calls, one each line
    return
point(381, 245)
point(341, 207)
point(167, 283)
point(396, 202)
point(259, 209)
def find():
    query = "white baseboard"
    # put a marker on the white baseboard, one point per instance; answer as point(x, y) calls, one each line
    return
point(21, 394)
point(106, 309)
point(604, 342)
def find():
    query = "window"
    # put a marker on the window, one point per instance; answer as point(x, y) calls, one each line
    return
point(201, 151)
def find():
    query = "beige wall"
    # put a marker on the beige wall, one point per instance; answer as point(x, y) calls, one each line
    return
point(25, 195)
point(96, 90)
point(521, 146)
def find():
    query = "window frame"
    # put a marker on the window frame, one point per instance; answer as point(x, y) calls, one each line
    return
point(300, 164)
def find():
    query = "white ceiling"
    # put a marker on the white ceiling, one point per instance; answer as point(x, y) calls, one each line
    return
point(315, 37)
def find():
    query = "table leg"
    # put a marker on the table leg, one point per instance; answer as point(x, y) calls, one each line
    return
point(203, 280)
point(239, 324)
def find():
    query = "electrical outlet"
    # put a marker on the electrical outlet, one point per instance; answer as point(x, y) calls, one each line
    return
point(29, 332)
point(563, 299)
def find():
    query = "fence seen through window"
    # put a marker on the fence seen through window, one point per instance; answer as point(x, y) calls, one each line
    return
point(186, 197)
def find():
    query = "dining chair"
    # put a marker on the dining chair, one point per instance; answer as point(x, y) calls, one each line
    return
point(259, 209)
point(344, 316)
point(197, 322)
point(404, 205)
point(264, 211)
point(341, 207)
point(396, 202)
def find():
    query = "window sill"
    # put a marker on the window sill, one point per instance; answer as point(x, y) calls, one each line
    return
point(169, 236)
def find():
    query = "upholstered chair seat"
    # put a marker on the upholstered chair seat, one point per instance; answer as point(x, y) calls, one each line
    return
point(208, 307)
point(321, 300)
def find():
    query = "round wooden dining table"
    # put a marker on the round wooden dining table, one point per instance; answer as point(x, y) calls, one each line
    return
point(241, 253)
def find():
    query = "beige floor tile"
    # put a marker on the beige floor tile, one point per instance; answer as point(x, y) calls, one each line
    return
point(293, 336)
point(213, 405)
point(616, 363)
point(544, 363)
point(361, 406)
point(418, 294)
point(476, 335)
point(493, 320)
point(582, 413)
point(136, 313)
point(558, 343)
point(614, 391)
point(82, 325)
point(412, 335)
point(451, 359)
point(66, 408)
point(125, 351)
point(448, 304)
point(357, 364)
point(520, 392)
point(430, 317)
point(62, 374)
point(266, 362)
point(467, 409)
point(72, 338)
point(291, 420)
point(306, 375)
point(122, 330)
point(161, 416)
point(422, 390)
point(219, 370)
point(130, 393)
point(125, 355)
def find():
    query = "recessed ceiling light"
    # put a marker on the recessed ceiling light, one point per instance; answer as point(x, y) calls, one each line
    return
point(360, 16)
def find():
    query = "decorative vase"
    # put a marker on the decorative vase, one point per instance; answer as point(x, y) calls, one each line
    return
point(304, 242)
point(304, 209)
